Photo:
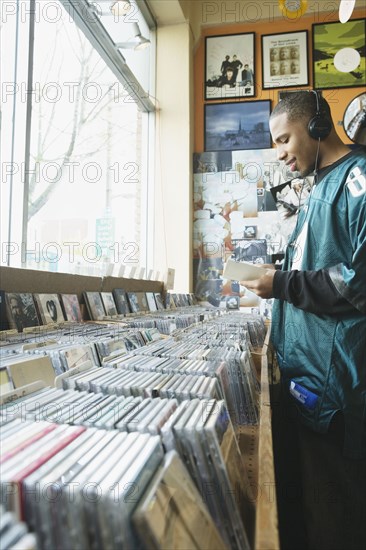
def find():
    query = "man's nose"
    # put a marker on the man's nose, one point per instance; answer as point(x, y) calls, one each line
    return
point(281, 153)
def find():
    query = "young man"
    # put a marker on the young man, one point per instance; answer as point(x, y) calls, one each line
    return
point(319, 333)
point(246, 76)
point(236, 65)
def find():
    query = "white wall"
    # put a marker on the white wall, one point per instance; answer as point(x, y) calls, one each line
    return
point(173, 176)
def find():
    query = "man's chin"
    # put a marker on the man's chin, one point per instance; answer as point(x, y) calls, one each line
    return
point(306, 172)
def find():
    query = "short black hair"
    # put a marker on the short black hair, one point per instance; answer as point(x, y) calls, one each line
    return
point(302, 105)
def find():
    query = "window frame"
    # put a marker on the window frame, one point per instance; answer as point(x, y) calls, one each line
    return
point(100, 40)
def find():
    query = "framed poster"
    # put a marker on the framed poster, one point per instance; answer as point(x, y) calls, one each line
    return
point(229, 66)
point(339, 54)
point(285, 60)
point(237, 125)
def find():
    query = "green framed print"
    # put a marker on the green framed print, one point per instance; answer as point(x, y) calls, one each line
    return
point(339, 54)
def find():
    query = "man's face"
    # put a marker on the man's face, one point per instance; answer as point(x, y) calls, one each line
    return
point(294, 145)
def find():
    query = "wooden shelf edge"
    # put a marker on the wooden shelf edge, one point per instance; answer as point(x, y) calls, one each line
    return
point(266, 528)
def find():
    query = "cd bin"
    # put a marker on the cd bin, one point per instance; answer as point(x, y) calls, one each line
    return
point(255, 441)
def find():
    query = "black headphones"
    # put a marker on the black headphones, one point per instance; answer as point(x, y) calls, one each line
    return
point(319, 126)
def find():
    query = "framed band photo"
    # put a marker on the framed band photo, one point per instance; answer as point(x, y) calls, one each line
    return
point(285, 60)
point(229, 66)
point(339, 59)
point(234, 126)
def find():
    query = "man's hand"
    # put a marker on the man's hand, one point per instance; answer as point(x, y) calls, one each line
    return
point(263, 286)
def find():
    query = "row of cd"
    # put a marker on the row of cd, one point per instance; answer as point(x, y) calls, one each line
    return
point(86, 488)
point(68, 346)
point(236, 327)
point(234, 371)
point(132, 413)
point(216, 327)
point(228, 370)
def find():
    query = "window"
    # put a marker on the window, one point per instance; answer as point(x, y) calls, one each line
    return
point(85, 178)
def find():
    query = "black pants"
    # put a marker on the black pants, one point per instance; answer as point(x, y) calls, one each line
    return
point(321, 494)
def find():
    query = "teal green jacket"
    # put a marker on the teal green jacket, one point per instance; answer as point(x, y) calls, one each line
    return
point(319, 316)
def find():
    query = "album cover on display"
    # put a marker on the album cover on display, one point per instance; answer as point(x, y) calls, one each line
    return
point(108, 303)
point(169, 302)
point(151, 301)
point(133, 301)
point(94, 305)
point(159, 301)
point(71, 307)
point(121, 301)
point(4, 324)
point(21, 310)
point(49, 308)
point(142, 301)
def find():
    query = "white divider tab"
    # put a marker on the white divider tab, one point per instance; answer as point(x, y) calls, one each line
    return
point(133, 272)
point(170, 278)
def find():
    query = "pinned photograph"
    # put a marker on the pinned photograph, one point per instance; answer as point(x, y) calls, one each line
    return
point(250, 231)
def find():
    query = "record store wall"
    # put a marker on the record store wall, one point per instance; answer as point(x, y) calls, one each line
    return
point(234, 161)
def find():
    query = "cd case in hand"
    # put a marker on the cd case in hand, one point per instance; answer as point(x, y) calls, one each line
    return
point(242, 271)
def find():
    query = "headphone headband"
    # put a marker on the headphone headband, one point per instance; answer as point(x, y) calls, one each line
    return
point(319, 126)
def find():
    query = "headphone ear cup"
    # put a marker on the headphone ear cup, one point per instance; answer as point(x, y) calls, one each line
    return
point(319, 127)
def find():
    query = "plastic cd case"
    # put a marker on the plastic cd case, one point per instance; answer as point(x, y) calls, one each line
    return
point(171, 513)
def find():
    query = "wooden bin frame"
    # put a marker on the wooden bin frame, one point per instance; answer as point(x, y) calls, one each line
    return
point(257, 448)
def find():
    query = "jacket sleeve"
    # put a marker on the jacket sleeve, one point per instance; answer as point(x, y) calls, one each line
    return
point(313, 291)
point(350, 279)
